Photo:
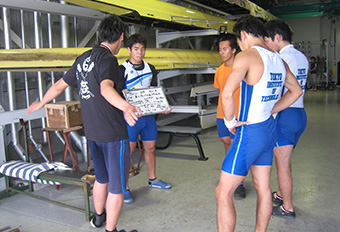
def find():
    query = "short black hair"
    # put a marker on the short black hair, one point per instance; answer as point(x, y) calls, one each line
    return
point(280, 27)
point(110, 29)
point(136, 38)
point(231, 38)
point(250, 25)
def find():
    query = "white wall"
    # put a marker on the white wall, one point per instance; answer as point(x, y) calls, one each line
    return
point(315, 30)
point(305, 29)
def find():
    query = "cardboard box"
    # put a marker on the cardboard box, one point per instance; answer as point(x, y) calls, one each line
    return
point(63, 114)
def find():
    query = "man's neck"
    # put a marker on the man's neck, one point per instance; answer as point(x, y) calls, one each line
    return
point(257, 41)
point(229, 62)
point(114, 47)
point(106, 45)
point(284, 44)
point(135, 62)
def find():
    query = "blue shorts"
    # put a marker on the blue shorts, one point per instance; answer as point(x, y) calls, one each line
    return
point(291, 123)
point(223, 130)
point(111, 162)
point(147, 128)
point(253, 145)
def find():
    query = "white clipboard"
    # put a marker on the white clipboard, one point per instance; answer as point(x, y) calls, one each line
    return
point(150, 100)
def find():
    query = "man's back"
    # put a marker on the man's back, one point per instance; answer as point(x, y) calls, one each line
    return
point(102, 121)
point(262, 86)
point(298, 65)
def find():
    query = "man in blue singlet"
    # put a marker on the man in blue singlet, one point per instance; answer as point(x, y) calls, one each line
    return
point(292, 121)
point(262, 75)
point(139, 74)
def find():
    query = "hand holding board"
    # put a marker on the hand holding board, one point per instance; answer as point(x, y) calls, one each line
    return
point(150, 100)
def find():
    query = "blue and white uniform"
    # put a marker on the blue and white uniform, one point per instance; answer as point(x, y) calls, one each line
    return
point(138, 78)
point(141, 76)
point(254, 143)
point(293, 121)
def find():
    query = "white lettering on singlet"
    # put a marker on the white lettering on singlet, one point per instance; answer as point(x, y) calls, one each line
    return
point(274, 83)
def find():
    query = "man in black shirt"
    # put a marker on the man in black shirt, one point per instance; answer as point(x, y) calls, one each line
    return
point(95, 74)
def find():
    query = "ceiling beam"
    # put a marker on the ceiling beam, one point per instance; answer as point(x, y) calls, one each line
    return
point(53, 8)
point(254, 9)
point(309, 10)
point(301, 15)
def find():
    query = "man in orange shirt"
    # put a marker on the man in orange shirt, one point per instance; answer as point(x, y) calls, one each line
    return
point(227, 49)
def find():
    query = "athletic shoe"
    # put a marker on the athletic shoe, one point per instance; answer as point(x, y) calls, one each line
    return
point(115, 230)
point(282, 212)
point(98, 220)
point(160, 185)
point(128, 197)
point(240, 192)
point(277, 200)
point(121, 231)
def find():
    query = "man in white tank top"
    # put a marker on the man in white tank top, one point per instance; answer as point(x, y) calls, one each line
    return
point(138, 74)
point(292, 121)
point(261, 74)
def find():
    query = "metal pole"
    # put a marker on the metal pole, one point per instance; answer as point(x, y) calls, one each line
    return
point(198, 43)
point(37, 39)
point(68, 92)
point(10, 83)
point(30, 134)
point(3, 149)
point(50, 45)
point(75, 32)
point(64, 44)
point(50, 42)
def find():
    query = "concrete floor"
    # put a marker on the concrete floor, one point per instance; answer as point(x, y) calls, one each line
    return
point(190, 205)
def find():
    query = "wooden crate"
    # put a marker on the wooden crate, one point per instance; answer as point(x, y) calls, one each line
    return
point(64, 114)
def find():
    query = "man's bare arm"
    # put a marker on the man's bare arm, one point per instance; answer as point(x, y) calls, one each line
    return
point(52, 93)
point(238, 73)
point(293, 93)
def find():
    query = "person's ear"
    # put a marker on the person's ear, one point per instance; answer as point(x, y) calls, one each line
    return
point(243, 35)
point(278, 37)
